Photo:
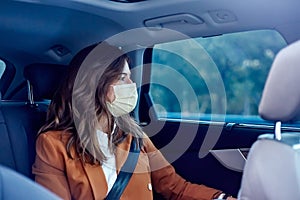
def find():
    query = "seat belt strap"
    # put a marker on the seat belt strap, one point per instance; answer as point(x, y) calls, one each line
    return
point(125, 173)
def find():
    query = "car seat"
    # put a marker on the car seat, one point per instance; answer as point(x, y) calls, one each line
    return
point(16, 186)
point(21, 120)
point(272, 170)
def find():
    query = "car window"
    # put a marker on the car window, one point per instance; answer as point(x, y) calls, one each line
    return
point(7, 74)
point(2, 68)
point(219, 77)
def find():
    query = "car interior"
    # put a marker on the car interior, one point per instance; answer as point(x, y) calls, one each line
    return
point(217, 82)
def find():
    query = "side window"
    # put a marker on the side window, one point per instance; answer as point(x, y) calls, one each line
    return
point(7, 73)
point(2, 68)
point(219, 77)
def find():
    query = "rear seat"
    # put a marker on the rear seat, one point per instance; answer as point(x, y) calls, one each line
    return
point(20, 121)
point(19, 124)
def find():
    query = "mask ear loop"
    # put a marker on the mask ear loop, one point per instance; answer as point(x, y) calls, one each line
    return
point(111, 135)
point(114, 128)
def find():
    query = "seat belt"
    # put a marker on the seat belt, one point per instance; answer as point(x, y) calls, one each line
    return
point(125, 172)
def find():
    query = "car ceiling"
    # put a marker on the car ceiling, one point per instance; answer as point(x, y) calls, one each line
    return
point(31, 29)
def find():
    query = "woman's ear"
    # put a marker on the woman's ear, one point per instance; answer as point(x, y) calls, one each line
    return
point(110, 96)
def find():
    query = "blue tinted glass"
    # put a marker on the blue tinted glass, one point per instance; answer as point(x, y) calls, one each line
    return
point(217, 75)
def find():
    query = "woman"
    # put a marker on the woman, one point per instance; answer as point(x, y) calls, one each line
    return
point(83, 147)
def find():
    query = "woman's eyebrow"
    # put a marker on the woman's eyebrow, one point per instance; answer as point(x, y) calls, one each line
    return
point(125, 73)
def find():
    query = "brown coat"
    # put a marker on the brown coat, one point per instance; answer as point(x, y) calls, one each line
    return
point(71, 179)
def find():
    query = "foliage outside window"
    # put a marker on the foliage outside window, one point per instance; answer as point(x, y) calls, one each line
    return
point(215, 75)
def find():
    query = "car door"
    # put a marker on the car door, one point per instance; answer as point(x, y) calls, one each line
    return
point(199, 102)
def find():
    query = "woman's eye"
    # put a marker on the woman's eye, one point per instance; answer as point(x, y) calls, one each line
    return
point(122, 78)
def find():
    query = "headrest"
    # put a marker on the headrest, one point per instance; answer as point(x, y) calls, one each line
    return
point(45, 78)
point(281, 96)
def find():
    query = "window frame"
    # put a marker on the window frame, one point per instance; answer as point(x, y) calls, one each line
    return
point(146, 103)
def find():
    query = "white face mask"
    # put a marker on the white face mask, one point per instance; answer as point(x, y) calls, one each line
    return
point(125, 101)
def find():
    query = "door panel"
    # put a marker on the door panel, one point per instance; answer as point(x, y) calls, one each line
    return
point(207, 170)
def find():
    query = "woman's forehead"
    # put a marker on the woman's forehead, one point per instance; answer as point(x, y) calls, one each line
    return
point(126, 68)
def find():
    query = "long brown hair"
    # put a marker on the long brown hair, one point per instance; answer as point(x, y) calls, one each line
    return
point(80, 102)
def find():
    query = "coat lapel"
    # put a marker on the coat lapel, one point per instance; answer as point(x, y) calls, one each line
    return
point(97, 180)
point(122, 152)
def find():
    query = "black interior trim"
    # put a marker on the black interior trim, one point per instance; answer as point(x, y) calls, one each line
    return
point(19, 89)
point(145, 101)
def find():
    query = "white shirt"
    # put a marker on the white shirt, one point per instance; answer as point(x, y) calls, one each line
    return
point(109, 165)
